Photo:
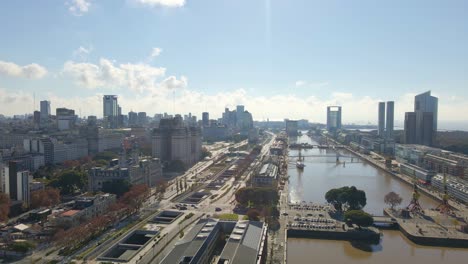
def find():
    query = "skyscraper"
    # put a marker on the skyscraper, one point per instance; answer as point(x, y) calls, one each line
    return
point(333, 118)
point(45, 110)
point(410, 128)
point(425, 106)
point(240, 116)
point(205, 119)
point(110, 110)
point(390, 120)
point(381, 131)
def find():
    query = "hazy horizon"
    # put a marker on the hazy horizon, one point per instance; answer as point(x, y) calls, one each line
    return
point(281, 59)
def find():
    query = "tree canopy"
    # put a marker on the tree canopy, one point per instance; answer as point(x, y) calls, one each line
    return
point(176, 166)
point(350, 197)
point(117, 187)
point(259, 196)
point(45, 198)
point(393, 199)
point(70, 181)
point(359, 218)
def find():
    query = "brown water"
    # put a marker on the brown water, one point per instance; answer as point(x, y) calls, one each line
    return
point(322, 174)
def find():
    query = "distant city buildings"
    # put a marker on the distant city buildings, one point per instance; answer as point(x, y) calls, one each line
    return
point(66, 118)
point(421, 125)
point(291, 127)
point(173, 140)
point(111, 111)
point(333, 118)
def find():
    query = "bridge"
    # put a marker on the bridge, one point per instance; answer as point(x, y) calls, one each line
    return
point(385, 221)
point(311, 146)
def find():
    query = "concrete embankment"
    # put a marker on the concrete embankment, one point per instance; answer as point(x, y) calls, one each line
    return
point(371, 235)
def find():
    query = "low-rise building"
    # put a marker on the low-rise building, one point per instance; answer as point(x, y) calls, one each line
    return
point(82, 209)
point(267, 176)
point(245, 245)
point(416, 172)
point(456, 188)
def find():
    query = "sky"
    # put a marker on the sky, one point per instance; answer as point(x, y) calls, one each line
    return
point(281, 59)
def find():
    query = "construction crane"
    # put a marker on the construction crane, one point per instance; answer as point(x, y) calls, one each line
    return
point(414, 206)
point(444, 207)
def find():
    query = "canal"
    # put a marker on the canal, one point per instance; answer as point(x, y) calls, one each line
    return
point(322, 173)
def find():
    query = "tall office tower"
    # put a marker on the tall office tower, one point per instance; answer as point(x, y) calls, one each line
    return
point(410, 128)
point(37, 119)
point(333, 118)
point(390, 120)
point(132, 118)
point(381, 131)
point(45, 110)
point(142, 118)
point(110, 110)
point(425, 103)
point(205, 119)
point(240, 115)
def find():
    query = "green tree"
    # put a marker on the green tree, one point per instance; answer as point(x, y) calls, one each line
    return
point(346, 196)
point(393, 199)
point(70, 181)
point(259, 196)
point(117, 187)
point(205, 153)
point(359, 218)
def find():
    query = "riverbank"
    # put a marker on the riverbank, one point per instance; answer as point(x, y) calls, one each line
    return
point(423, 230)
point(368, 234)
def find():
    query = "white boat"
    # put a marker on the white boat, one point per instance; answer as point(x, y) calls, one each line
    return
point(300, 164)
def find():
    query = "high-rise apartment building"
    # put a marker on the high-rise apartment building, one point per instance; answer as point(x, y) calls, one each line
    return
point(132, 118)
point(410, 128)
point(389, 120)
point(333, 118)
point(423, 121)
point(381, 131)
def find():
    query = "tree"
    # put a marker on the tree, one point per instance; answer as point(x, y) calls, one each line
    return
point(45, 198)
point(70, 181)
point(106, 155)
point(161, 186)
point(4, 206)
point(117, 187)
point(359, 218)
point(205, 153)
point(176, 166)
point(135, 197)
point(259, 196)
point(253, 215)
point(393, 199)
point(346, 196)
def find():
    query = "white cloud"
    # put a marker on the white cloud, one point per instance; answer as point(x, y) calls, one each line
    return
point(107, 74)
point(300, 83)
point(164, 3)
point(155, 52)
point(171, 83)
point(356, 109)
point(30, 71)
point(82, 52)
point(78, 7)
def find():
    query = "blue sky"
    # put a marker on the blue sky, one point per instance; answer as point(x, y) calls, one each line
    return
point(279, 58)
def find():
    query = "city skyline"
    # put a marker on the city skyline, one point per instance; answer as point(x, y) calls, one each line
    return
point(257, 67)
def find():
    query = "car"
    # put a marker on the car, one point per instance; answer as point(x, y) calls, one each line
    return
point(217, 209)
point(285, 214)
